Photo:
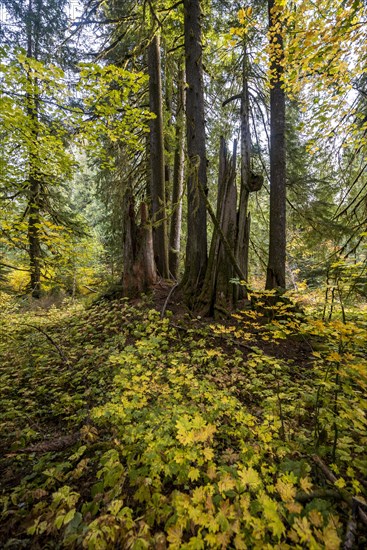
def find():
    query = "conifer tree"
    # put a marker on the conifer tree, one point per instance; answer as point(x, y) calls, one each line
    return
point(34, 31)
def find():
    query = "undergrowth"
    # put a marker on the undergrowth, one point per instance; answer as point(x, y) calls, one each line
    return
point(124, 430)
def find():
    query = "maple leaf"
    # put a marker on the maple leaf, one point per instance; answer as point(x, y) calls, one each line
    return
point(226, 483)
point(174, 534)
point(306, 484)
point(250, 478)
point(331, 538)
point(340, 483)
point(193, 474)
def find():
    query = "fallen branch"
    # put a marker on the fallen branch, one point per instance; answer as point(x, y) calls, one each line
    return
point(303, 498)
point(90, 289)
point(325, 470)
point(353, 502)
point(50, 446)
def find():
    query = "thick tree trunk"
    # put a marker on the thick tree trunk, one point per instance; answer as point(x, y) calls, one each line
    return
point(218, 294)
point(196, 248)
point(277, 239)
point(157, 166)
point(178, 179)
point(139, 267)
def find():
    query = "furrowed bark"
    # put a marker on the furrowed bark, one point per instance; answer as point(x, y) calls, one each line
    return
point(157, 165)
point(196, 249)
point(277, 238)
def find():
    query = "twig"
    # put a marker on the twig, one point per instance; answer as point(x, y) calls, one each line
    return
point(232, 98)
point(167, 300)
point(13, 267)
point(61, 353)
point(90, 289)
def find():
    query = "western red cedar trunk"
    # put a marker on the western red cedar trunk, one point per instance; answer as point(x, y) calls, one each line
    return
point(277, 238)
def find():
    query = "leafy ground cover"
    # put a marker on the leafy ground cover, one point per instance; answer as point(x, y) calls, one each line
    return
point(122, 429)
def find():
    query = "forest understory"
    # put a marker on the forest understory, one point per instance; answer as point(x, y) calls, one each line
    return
point(136, 424)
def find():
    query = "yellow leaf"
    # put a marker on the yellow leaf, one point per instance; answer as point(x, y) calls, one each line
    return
point(226, 483)
point(198, 495)
point(250, 478)
point(208, 453)
point(286, 490)
point(270, 511)
point(340, 483)
point(306, 484)
point(241, 16)
point(69, 516)
point(193, 474)
point(294, 507)
point(211, 472)
point(316, 518)
point(331, 538)
point(334, 356)
point(174, 535)
point(303, 529)
point(211, 539)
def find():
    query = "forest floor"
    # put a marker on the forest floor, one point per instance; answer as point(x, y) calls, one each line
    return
point(134, 424)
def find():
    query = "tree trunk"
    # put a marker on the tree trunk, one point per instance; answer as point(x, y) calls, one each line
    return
point(34, 243)
point(243, 234)
point(168, 89)
point(34, 178)
point(277, 238)
point(178, 179)
point(218, 295)
point(139, 267)
point(196, 248)
point(157, 166)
